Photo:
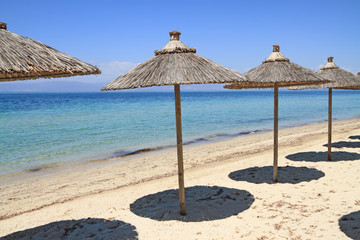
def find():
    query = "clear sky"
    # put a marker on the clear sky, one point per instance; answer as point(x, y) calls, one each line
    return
point(116, 35)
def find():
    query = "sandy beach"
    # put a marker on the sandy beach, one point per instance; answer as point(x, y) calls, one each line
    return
point(229, 192)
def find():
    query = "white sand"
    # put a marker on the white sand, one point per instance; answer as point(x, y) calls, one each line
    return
point(227, 196)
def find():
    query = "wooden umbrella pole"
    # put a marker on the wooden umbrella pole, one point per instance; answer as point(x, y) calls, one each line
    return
point(179, 149)
point(330, 124)
point(276, 112)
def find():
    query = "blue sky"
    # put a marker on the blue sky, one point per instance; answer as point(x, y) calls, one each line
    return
point(117, 35)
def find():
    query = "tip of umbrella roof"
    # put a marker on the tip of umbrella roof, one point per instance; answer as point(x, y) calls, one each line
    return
point(330, 64)
point(174, 35)
point(3, 25)
point(276, 48)
point(276, 55)
point(175, 45)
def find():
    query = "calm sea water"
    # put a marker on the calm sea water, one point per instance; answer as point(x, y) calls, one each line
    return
point(50, 128)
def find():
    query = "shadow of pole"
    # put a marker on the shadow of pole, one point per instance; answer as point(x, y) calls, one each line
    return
point(343, 144)
point(203, 203)
point(287, 174)
point(356, 137)
point(323, 157)
point(90, 228)
point(350, 225)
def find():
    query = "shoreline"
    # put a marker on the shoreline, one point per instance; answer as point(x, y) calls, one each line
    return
point(118, 156)
point(121, 155)
point(52, 168)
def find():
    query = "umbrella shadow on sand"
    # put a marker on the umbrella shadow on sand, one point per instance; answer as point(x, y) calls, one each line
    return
point(343, 144)
point(287, 174)
point(350, 225)
point(204, 203)
point(323, 156)
point(90, 228)
point(355, 137)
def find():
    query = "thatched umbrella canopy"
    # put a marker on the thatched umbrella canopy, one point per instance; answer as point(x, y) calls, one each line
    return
point(22, 58)
point(175, 64)
point(342, 80)
point(277, 71)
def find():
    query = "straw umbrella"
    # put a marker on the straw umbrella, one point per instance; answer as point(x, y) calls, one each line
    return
point(22, 58)
point(175, 64)
point(277, 71)
point(342, 80)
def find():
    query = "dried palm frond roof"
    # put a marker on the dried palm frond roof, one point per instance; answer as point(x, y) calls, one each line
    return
point(175, 64)
point(277, 69)
point(22, 58)
point(342, 79)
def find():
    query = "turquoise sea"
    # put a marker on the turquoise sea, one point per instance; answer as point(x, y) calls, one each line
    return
point(44, 129)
